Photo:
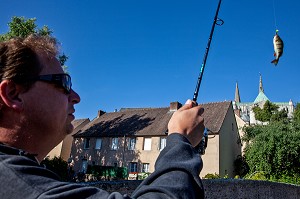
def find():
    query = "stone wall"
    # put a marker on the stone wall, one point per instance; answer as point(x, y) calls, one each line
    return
point(221, 188)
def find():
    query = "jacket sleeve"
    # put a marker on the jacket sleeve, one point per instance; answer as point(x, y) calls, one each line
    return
point(176, 173)
point(176, 176)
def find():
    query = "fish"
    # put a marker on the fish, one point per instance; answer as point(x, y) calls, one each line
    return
point(278, 48)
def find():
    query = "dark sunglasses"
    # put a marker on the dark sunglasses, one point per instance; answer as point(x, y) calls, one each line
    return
point(62, 80)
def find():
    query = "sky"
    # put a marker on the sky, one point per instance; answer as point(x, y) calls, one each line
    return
point(141, 54)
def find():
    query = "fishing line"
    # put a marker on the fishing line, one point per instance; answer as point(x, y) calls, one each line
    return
point(274, 13)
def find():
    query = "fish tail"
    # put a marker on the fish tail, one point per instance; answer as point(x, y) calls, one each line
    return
point(275, 62)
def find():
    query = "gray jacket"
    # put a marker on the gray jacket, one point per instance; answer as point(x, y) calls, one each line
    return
point(176, 176)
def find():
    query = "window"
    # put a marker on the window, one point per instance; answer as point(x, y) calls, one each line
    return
point(145, 167)
point(114, 143)
point(147, 144)
point(86, 143)
point(163, 143)
point(98, 143)
point(131, 143)
point(84, 166)
point(133, 167)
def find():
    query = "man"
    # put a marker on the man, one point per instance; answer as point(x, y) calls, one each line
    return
point(37, 107)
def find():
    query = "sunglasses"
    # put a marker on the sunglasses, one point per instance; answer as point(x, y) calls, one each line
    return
point(62, 80)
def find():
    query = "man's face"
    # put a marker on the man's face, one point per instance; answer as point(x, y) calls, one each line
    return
point(48, 108)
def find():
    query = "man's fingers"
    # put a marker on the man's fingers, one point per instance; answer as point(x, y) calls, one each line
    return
point(201, 111)
point(188, 104)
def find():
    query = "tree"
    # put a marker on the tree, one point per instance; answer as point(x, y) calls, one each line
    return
point(22, 27)
point(274, 150)
point(297, 113)
point(58, 166)
point(269, 112)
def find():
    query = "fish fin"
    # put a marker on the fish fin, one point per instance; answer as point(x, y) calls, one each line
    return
point(275, 62)
point(274, 54)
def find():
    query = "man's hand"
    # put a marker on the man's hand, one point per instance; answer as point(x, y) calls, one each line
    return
point(188, 122)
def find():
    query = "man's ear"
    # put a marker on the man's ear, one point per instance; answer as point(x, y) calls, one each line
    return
point(10, 95)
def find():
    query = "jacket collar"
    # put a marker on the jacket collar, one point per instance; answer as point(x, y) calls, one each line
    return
point(8, 150)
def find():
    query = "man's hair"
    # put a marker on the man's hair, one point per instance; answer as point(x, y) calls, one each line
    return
point(19, 60)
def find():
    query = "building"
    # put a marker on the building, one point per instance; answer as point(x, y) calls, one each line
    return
point(244, 110)
point(63, 149)
point(245, 115)
point(133, 138)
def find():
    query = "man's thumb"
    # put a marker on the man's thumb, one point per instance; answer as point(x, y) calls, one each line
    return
point(188, 104)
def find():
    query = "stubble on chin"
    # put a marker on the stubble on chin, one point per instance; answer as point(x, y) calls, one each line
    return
point(69, 129)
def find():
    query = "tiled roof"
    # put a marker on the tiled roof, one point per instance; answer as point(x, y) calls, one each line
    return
point(78, 122)
point(214, 115)
point(148, 121)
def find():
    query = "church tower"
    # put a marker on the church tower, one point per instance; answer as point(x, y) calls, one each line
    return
point(237, 94)
point(261, 97)
point(261, 88)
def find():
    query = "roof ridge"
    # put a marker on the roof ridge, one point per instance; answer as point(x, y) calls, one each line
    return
point(217, 102)
point(136, 109)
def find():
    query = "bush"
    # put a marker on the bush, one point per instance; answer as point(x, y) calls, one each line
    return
point(58, 166)
point(108, 172)
point(142, 176)
point(212, 176)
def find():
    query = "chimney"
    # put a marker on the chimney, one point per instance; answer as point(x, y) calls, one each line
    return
point(100, 112)
point(237, 112)
point(174, 106)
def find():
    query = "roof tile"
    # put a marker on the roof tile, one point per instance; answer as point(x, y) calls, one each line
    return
point(148, 121)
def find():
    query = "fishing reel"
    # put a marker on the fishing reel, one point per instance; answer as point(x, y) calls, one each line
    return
point(201, 147)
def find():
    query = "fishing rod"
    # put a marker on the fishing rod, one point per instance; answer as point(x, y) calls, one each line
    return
point(218, 22)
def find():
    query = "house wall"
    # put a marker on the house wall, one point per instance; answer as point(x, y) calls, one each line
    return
point(211, 157)
point(148, 156)
point(241, 123)
point(230, 144)
point(63, 149)
point(56, 151)
point(108, 157)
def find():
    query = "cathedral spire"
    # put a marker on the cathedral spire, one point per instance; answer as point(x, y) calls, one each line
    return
point(237, 94)
point(261, 88)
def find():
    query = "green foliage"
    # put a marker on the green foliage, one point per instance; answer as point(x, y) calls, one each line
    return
point(58, 166)
point(22, 27)
point(251, 132)
point(62, 59)
point(269, 112)
point(142, 176)
point(241, 166)
point(212, 176)
point(258, 175)
point(295, 179)
point(274, 149)
point(215, 176)
point(107, 171)
point(297, 113)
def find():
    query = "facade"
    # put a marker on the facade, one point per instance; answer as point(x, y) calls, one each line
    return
point(133, 138)
point(244, 110)
point(63, 149)
point(224, 143)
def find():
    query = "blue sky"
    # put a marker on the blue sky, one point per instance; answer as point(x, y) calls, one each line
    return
point(139, 53)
